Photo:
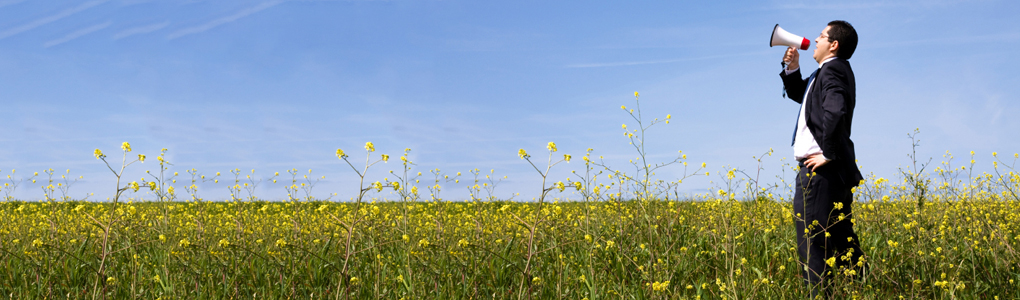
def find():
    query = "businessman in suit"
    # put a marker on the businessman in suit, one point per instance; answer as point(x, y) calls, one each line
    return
point(826, 242)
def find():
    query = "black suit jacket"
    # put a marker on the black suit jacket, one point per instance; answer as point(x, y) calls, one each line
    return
point(829, 112)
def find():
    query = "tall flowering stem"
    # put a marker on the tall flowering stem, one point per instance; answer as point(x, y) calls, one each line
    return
point(350, 224)
point(532, 227)
point(114, 216)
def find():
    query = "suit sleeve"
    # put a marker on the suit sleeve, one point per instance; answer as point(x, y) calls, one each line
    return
point(834, 90)
point(795, 85)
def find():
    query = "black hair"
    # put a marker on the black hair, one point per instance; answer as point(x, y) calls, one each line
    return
point(843, 32)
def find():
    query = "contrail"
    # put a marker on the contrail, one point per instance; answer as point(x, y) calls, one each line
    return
point(224, 20)
point(140, 30)
point(77, 34)
point(40, 22)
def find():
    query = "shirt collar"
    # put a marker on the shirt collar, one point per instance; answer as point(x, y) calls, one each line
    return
point(825, 61)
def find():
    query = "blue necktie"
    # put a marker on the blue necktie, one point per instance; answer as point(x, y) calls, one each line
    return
point(796, 124)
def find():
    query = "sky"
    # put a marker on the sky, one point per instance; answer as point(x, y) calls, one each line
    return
point(272, 86)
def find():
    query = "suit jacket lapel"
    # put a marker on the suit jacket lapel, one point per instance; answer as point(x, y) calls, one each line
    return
point(812, 94)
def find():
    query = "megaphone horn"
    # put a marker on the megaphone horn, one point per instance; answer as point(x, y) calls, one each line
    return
point(782, 37)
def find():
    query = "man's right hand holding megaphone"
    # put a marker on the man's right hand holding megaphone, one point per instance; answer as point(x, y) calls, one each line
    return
point(792, 59)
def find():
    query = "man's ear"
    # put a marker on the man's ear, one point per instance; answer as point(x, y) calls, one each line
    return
point(834, 47)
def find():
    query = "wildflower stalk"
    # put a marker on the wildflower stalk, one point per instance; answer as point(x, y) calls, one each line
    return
point(114, 217)
point(532, 226)
point(349, 226)
point(915, 176)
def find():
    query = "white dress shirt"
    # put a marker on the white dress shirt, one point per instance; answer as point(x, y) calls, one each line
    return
point(804, 144)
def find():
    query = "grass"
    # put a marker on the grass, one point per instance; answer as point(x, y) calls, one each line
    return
point(713, 248)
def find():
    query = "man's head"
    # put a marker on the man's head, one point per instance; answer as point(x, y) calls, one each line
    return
point(838, 39)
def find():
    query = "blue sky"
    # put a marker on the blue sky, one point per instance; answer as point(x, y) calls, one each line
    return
point(275, 85)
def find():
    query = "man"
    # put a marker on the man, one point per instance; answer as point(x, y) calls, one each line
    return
point(826, 241)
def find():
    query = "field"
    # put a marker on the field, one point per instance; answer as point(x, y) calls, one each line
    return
point(943, 234)
point(961, 243)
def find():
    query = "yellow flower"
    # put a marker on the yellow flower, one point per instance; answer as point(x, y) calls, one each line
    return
point(134, 186)
point(98, 153)
point(126, 147)
point(635, 94)
point(396, 185)
point(522, 154)
point(577, 185)
point(385, 158)
point(551, 146)
point(281, 243)
point(660, 286)
point(184, 243)
point(224, 243)
point(141, 157)
point(560, 186)
point(370, 147)
point(152, 185)
point(340, 153)
point(170, 190)
point(566, 157)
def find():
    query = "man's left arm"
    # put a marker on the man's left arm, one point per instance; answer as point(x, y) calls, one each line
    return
point(834, 90)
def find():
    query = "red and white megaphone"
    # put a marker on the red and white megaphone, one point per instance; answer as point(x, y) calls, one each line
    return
point(782, 37)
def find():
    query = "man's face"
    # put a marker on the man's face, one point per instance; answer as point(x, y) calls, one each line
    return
point(823, 48)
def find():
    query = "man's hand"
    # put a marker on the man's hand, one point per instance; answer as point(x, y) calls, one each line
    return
point(792, 59)
point(815, 161)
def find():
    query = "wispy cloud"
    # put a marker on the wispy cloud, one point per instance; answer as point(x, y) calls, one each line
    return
point(77, 34)
point(50, 19)
point(10, 2)
point(140, 30)
point(224, 20)
point(655, 62)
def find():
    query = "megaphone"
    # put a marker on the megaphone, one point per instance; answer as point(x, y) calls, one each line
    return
point(782, 37)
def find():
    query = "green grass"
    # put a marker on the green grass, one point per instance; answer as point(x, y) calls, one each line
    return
point(455, 250)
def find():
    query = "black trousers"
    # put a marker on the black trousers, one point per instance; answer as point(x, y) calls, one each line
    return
point(822, 206)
